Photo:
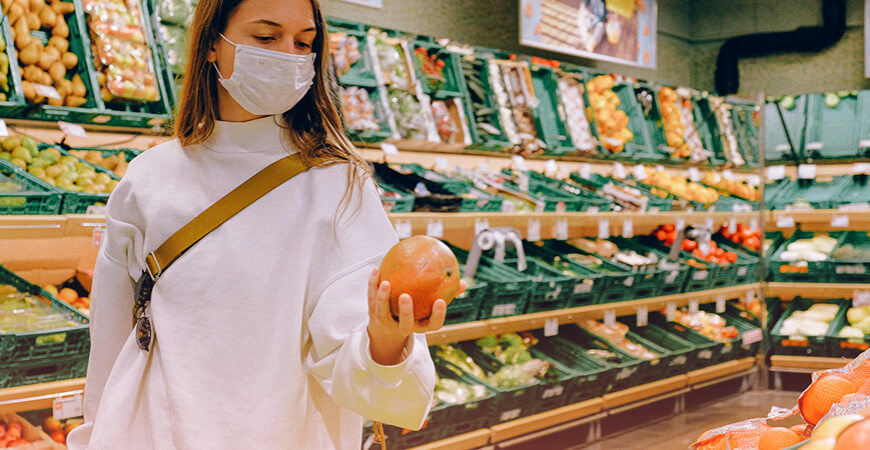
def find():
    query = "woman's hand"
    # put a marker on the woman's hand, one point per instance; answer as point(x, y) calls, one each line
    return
point(388, 336)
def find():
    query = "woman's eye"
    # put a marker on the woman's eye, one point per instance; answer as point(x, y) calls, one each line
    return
point(264, 38)
point(303, 45)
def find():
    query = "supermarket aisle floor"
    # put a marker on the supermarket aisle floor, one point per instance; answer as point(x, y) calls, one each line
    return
point(681, 431)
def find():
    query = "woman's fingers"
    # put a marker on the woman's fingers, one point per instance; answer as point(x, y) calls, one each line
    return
point(373, 291)
point(435, 319)
point(406, 315)
point(383, 303)
point(462, 287)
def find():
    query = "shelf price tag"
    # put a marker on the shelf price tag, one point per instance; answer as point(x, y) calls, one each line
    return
point(840, 221)
point(860, 298)
point(403, 229)
point(642, 318)
point(775, 173)
point(864, 143)
point(585, 171)
point(46, 91)
point(681, 223)
point(523, 182)
point(727, 174)
point(480, 225)
point(750, 297)
point(693, 306)
point(610, 317)
point(66, 407)
point(619, 170)
point(720, 303)
point(72, 129)
point(533, 232)
point(694, 174)
point(3, 130)
point(660, 168)
point(483, 166)
point(551, 169)
point(97, 235)
point(753, 180)
point(603, 228)
point(752, 336)
point(732, 225)
point(389, 149)
point(860, 168)
point(562, 229)
point(753, 224)
point(519, 162)
point(785, 222)
point(814, 145)
point(639, 172)
point(435, 228)
point(807, 171)
point(551, 327)
point(671, 311)
point(627, 228)
point(441, 164)
point(708, 224)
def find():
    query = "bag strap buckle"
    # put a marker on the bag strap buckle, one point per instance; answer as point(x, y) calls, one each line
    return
point(155, 271)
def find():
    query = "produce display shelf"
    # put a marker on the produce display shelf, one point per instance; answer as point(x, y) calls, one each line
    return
point(596, 408)
point(788, 363)
point(37, 396)
point(481, 328)
point(788, 291)
point(820, 219)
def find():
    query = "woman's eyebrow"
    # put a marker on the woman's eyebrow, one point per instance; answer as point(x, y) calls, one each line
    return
point(267, 22)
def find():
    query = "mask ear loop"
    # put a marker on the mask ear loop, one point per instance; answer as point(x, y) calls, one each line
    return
point(214, 63)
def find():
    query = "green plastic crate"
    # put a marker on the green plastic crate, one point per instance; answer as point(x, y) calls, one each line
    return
point(591, 202)
point(480, 103)
point(550, 287)
point(616, 282)
point(830, 131)
point(382, 114)
point(509, 289)
point(844, 347)
point(453, 84)
point(39, 197)
point(548, 118)
point(478, 201)
point(854, 192)
point(584, 288)
point(593, 376)
point(709, 352)
point(79, 202)
point(744, 271)
point(659, 367)
point(361, 73)
point(472, 298)
point(862, 125)
point(652, 121)
point(640, 147)
point(630, 371)
point(743, 346)
point(683, 355)
point(43, 346)
point(396, 201)
point(803, 345)
point(697, 279)
point(811, 272)
point(21, 374)
point(819, 195)
point(746, 131)
point(15, 102)
point(657, 281)
point(707, 124)
point(655, 203)
point(851, 270)
point(776, 145)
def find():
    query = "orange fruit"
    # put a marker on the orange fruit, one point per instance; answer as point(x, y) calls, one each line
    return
point(68, 295)
point(854, 437)
point(828, 389)
point(424, 268)
point(799, 429)
point(861, 374)
point(778, 438)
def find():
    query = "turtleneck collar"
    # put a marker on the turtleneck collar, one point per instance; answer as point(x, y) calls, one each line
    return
point(262, 135)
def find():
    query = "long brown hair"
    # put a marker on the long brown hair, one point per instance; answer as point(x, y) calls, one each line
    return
point(315, 125)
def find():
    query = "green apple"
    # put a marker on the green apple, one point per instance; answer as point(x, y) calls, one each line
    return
point(833, 426)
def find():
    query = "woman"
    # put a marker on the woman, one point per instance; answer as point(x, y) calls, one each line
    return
point(263, 338)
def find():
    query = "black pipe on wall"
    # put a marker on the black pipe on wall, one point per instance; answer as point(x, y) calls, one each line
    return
point(802, 39)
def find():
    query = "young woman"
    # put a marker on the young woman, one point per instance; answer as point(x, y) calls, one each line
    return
point(271, 332)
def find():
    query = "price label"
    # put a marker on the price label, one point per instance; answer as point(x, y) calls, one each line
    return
point(435, 228)
point(97, 235)
point(389, 149)
point(67, 407)
point(603, 228)
point(775, 173)
point(840, 221)
point(671, 311)
point(619, 170)
point(860, 298)
point(520, 162)
point(523, 181)
point(510, 414)
point(562, 229)
point(482, 166)
point(72, 129)
point(592, 210)
point(694, 174)
point(46, 91)
point(732, 225)
point(753, 180)
point(814, 145)
point(441, 164)
point(639, 172)
point(654, 210)
point(3, 130)
point(681, 223)
point(753, 224)
point(403, 229)
point(533, 232)
point(861, 168)
point(750, 297)
point(480, 225)
point(708, 224)
point(785, 222)
point(610, 317)
point(864, 143)
point(551, 327)
point(752, 336)
point(693, 306)
point(807, 171)
point(720, 303)
point(642, 318)
point(627, 228)
point(728, 175)
point(551, 168)
point(585, 171)
point(660, 168)
point(98, 210)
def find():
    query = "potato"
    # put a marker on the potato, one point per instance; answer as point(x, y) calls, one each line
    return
point(106, 95)
point(6, 4)
point(16, 11)
point(70, 60)
point(53, 51)
point(61, 29)
point(29, 91)
point(62, 7)
point(22, 34)
point(37, 5)
point(31, 74)
point(46, 59)
point(63, 87)
point(33, 21)
point(45, 78)
point(30, 54)
point(101, 78)
point(55, 101)
point(78, 86)
point(74, 101)
point(48, 18)
point(57, 71)
point(61, 44)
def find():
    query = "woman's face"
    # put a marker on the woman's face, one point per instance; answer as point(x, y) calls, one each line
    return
point(280, 25)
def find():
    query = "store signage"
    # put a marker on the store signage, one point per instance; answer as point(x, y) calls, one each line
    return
point(622, 32)
point(609, 317)
point(671, 311)
point(551, 327)
point(403, 229)
point(775, 173)
point(693, 306)
point(628, 228)
point(785, 222)
point(720, 304)
point(67, 407)
point(389, 149)
point(840, 221)
point(441, 164)
point(562, 229)
point(370, 3)
point(3, 130)
point(603, 228)
point(642, 318)
point(435, 228)
point(72, 129)
point(533, 233)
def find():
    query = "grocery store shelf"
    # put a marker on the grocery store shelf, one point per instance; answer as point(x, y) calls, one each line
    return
point(788, 291)
point(98, 135)
point(481, 328)
point(644, 391)
point(474, 439)
point(723, 370)
point(786, 363)
point(37, 396)
point(545, 419)
point(819, 219)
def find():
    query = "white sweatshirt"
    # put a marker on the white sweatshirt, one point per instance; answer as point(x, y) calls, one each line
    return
point(260, 338)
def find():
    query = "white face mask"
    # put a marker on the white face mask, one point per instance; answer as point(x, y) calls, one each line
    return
point(267, 82)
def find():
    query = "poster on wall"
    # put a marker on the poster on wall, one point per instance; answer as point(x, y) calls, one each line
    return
point(370, 3)
point(620, 31)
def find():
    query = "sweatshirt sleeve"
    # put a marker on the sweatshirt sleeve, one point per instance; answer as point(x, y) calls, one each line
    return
point(338, 356)
point(111, 303)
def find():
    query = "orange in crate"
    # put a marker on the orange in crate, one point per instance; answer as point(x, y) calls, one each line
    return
point(826, 390)
point(778, 438)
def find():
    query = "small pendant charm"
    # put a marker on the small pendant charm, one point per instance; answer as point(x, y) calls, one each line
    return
point(143, 333)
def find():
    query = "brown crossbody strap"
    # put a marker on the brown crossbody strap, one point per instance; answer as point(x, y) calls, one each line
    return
point(222, 210)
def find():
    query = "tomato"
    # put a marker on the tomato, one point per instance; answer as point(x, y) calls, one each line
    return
point(731, 257)
point(689, 245)
point(669, 227)
point(662, 235)
point(697, 253)
point(753, 243)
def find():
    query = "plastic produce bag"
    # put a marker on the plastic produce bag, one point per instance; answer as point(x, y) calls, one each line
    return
point(175, 12)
